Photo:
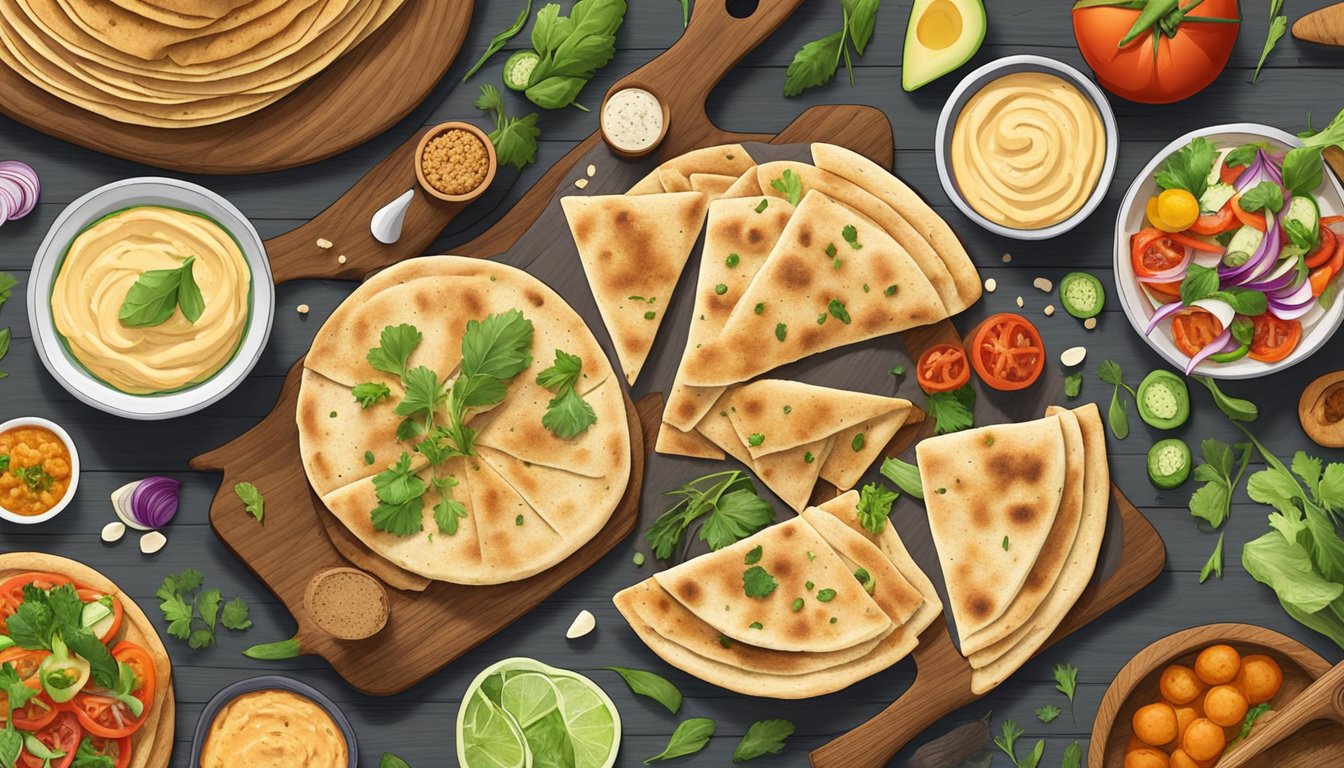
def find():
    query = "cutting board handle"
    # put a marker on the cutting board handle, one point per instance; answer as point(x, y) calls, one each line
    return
point(713, 43)
point(1324, 700)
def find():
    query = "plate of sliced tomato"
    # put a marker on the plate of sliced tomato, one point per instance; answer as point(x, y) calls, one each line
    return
point(1210, 280)
point(93, 683)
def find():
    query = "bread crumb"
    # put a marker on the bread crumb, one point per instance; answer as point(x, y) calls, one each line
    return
point(1049, 310)
point(1007, 257)
point(324, 243)
point(1090, 323)
point(303, 309)
point(991, 284)
point(1043, 284)
point(340, 259)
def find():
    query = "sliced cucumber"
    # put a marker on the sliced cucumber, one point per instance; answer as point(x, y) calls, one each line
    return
point(1082, 295)
point(1163, 400)
point(518, 69)
point(1169, 463)
point(1215, 197)
point(1242, 246)
point(1303, 210)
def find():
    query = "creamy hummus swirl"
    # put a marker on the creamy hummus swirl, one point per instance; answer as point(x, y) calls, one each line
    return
point(1027, 150)
point(274, 729)
point(102, 264)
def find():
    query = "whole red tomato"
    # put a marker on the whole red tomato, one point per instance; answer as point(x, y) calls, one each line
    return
point(1194, 40)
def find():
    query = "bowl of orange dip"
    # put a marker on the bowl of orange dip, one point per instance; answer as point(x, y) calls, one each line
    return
point(39, 470)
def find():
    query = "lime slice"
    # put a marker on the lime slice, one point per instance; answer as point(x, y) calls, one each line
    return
point(488, 737)
point(591, 721)
point(529, 697)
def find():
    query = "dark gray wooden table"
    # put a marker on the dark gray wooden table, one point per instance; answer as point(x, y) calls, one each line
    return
point(1299, 80)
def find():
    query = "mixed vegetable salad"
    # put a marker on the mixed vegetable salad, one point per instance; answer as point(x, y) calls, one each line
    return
point(1235, 252)
point(71, 693)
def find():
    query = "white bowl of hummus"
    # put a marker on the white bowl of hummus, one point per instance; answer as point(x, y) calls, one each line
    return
point(151, 298)
point(1026, 147)
point(273, 721)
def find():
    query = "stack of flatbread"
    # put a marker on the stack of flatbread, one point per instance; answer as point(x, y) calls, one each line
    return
point(803, 608)
point(790, 434)
point(180, 63)
point(1018, 513)
point(532, 498)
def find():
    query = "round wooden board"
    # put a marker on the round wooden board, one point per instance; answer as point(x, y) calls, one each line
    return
point(359, 96)
point(1137, 684)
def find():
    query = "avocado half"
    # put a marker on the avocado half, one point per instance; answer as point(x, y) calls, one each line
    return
point(941, 36)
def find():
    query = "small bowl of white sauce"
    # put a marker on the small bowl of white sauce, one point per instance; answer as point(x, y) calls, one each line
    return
point(634, 120)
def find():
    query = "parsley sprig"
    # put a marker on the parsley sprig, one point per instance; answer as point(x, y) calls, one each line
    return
point(567, 415)
point(726, 500)
point(953, 411)
point(193, 612)
point(1007, 742)
point(1212, 502)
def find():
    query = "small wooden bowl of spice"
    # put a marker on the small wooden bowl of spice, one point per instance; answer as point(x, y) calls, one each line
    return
point(347, 603)
point(455, 162)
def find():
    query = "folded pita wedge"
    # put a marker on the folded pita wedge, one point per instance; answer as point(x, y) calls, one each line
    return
point(724, 159)
point(992, 495)
point(673, 180)
point(994, 664)
point(1054, 553)
point(858, 169)
point(712, 184)
point(772, 415)
point(799, 304)
point(675, 442)
point(897, 596)
point(860, 445)
point(745, 186)
point(889, 219)
point(633, 250)
point(791, 474)
point(737, 241)
point(747, 591)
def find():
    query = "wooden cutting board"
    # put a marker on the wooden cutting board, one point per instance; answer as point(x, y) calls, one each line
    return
point(358, 97)
point(433, 624)
point(1132, 555)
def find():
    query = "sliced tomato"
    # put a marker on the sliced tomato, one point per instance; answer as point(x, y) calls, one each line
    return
point(942, 368)
point(11, 591)
point(1320, 279)
point(1194, 242)
point(1325, 251)
point(1007, 352)
point(1194, 329)
point(1216, 223)
point(1153, 251)
point(1274, 339)
point(1170, 291)
point(117, 749)
point(1256, 220)
point(36, 713)
point(1229, 174)
point(102, 715)
point(25, 662)
point(89, 596)
point(62, 734)
point(40, 709)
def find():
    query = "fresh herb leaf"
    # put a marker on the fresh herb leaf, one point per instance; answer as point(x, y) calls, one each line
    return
point(572, 49)
point(1066, 679)
point(1007, 742)
point(654, 686)
point(904, 475)
point(790, 185)
point(690, 737)
point(369, 393)
point(515, 138)
point(499, 40)
point(861, 22)
point(1199, 283)
point(874, 507)
point(851, 236)
point(1214, 566)
point(1073, 756)
point(1278, 25)
point(401, 502)
point(17, 693)
point(1220, 473)
point(764, 737)
point(564, 372)
point(837, 309)
point(252, 499)
point(758, 583)
point(389, 760)
point(1073, 385)
point(726, 500)
point(498, 346)
point(395, 345)
point(7, 283)
point(1188, 168)
point(157, 293)
point(234, 615)
point(88, 756)
point(1265, 196)
point(1234, 408)
point(1048, 713)
point(953, 411)
point(191, 617)
point(1248, 723)
point(753, 555)
point(567, 414)
point(5, 334)
point(814, 64)
point(1110, 373)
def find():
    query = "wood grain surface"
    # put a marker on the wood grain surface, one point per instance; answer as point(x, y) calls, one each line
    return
point(359, 96)
point(1298, 79)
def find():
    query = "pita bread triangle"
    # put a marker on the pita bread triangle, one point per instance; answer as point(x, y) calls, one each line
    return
point(737, 241)
point(712, 184)
point(772, 415)
point(790, 474)
point(804, 310)
point(844, 467)
point(633, 250)
point(1045, 571)
point(759, 595)
point(725, 159)
point(675, 442)
point(994, 664)
point(992, 496)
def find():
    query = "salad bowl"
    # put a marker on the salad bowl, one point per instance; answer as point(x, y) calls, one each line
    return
point(1141, 305)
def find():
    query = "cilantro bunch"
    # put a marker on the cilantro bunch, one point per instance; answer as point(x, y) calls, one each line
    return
point(193, 613)
point(729, 504)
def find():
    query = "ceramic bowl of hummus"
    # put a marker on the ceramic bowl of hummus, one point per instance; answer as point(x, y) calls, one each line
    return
point(151, 298)
point(1026, 147)
point(273, 721)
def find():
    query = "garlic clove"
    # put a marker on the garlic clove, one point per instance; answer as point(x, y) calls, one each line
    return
point(113, 531)
point(583, 624)
point(152, 542)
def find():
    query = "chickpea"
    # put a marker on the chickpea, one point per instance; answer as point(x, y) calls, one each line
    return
point(1218, 664)
point(1146, 757)
point(1184, 717)
point(1260, 679)
point(1180, 685)
point(1225, 705)
point(1155, 724)
point(1204, 740)
point(1180, 759)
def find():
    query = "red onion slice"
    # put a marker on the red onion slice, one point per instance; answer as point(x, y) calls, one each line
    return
point(1212, 347)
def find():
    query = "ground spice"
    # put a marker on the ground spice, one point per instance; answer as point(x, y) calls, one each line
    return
point(455, 162)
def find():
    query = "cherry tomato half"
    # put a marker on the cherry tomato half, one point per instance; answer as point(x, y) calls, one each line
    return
point(1193, 330)
point(102, 715)
point(1228, 174)
point(62, 734)
point(1274, 339)
point(1153, 251)
point(942, 368)
point(1007, 352)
